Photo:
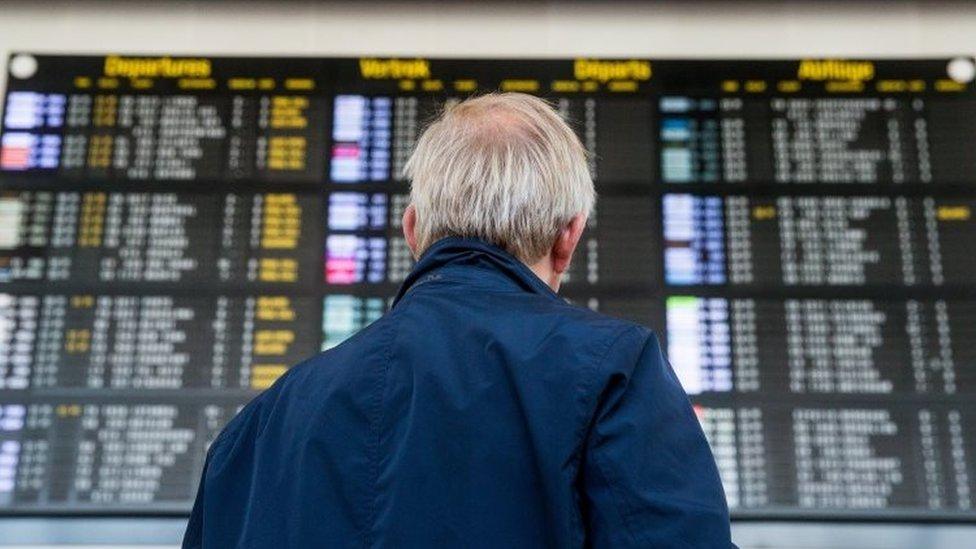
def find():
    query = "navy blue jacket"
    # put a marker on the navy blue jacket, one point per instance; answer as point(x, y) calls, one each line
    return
point(481, 411)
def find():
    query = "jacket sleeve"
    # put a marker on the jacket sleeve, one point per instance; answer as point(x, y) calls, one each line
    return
point(200, 532)
point(193, 537)
point(647, 474)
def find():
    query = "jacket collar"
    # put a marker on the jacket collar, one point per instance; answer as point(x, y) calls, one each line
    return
point(473, 260)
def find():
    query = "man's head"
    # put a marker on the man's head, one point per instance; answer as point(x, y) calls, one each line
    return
point(504, 168)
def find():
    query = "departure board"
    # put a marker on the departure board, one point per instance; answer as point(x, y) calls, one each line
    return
point(176, 232)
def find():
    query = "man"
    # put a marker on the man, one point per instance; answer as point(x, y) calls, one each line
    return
point(482, 410)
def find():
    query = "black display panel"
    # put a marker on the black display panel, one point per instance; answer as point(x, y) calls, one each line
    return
point(176, 232)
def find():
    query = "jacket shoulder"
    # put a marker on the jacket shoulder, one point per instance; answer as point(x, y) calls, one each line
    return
point(298, 385)
point(619, 343)
point(601, 325)
point(627, 343)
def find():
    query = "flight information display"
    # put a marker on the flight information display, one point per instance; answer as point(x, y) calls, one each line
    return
point(176, 232)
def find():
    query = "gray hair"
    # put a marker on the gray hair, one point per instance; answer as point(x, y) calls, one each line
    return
point(501, 167)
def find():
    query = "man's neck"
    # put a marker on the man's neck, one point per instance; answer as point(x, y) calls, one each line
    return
point(543, 269)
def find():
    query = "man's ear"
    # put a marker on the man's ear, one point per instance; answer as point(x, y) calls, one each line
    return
point(566, 242)
point(410, 228)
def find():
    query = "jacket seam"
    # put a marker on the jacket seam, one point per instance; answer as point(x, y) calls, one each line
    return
point(376, 429)
point(454, 282)
point(618, 501)
point(410, 294)
point(589, 410)
point(584, 398)
point(589, 395)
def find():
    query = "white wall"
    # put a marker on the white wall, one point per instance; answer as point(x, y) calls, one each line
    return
point(526, 28)
point(554, 28)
